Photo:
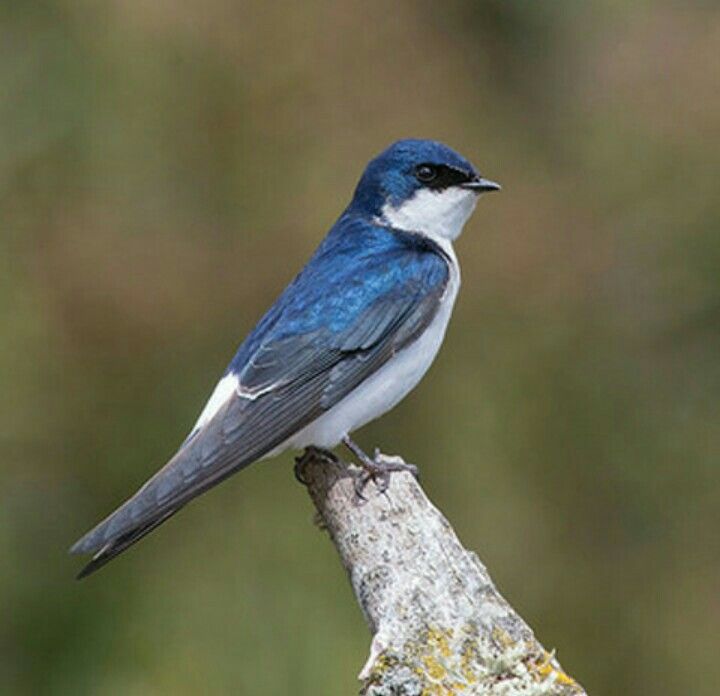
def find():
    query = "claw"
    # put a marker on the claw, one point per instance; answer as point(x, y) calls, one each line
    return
point(310, 453)
point(393, 462)
point(300, 462)
point(361, 479)
point(376, 469)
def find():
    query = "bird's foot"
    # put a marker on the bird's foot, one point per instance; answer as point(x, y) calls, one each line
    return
point(376, 468)
point(312, 454)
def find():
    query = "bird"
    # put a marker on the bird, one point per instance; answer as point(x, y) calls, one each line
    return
point(344, 343)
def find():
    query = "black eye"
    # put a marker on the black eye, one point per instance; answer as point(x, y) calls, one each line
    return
point(426, 173)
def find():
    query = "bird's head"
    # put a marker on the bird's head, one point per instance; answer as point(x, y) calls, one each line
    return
point(421, 186)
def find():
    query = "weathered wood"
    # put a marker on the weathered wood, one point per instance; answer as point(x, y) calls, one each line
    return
point(439, 625)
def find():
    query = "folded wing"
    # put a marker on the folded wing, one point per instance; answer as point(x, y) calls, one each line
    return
point(299, 369)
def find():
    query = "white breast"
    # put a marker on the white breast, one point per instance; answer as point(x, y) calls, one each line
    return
point(388, 386)
point(440, 216)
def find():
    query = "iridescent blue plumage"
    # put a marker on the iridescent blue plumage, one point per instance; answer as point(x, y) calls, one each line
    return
point(357, 263)
point(346, 340)
point(388, 178)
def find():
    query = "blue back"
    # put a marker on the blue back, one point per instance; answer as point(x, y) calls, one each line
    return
point(361, 261)
point(367, 292)
point(357, 263)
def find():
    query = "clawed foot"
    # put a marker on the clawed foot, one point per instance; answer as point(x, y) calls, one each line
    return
point(312, 453)
point(377, 469)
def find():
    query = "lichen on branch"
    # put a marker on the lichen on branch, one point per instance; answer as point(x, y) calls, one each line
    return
point(440, 627)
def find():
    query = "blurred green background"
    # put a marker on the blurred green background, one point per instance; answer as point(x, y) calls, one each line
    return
point(166, 168)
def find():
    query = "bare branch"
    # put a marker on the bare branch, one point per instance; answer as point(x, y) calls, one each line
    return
point(439, 624)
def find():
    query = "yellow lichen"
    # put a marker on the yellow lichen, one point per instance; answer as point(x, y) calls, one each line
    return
point(444, 670)
point(450, 662)
point(467, 659)
point(439, 639)
point(440, 690)
point(433, 668)
point(546, 669)
point(502, 638)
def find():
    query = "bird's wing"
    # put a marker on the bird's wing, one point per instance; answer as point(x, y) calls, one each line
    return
point(287, 382)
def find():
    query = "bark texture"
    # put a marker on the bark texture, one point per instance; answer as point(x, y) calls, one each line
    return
point(439, 625)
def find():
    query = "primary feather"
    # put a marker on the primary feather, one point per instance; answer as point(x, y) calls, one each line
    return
point(335, 325)
point(348, 338)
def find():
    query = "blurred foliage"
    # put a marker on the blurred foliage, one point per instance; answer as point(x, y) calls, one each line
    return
point(165, 168)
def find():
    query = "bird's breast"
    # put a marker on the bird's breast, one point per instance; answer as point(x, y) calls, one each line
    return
point(389, 385)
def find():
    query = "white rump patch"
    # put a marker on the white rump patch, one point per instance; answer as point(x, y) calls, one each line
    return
point(439, 215)
point(225, 388)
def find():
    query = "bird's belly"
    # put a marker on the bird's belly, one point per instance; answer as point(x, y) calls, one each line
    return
point(382, 390)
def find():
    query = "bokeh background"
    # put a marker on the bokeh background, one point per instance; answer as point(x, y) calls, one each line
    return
point(166, 168)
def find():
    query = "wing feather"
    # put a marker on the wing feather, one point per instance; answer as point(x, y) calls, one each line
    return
point(290, 380)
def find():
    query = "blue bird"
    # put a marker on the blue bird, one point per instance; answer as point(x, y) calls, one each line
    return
point(349, 338)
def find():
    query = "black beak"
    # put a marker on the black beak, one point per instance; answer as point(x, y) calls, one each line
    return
point(481, 185)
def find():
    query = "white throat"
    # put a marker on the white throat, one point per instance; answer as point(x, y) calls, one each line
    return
point(440, 215)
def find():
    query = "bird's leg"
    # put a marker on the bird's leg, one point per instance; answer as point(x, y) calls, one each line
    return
point(376, 468)
point(318, 453)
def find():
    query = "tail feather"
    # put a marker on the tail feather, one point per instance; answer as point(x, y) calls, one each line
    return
point(231, 440)
point(175, 485)
point(121, 543)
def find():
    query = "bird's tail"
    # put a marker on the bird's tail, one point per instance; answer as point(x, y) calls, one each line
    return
point(226, 444)
point(183, 478)
point(119, 544)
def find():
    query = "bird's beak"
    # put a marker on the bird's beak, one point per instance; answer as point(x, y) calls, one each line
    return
point(481, 185)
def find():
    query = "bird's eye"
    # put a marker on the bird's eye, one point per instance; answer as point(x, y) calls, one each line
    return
point(426, 173)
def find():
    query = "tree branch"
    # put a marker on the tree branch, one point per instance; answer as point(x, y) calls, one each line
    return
point(439, 625)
